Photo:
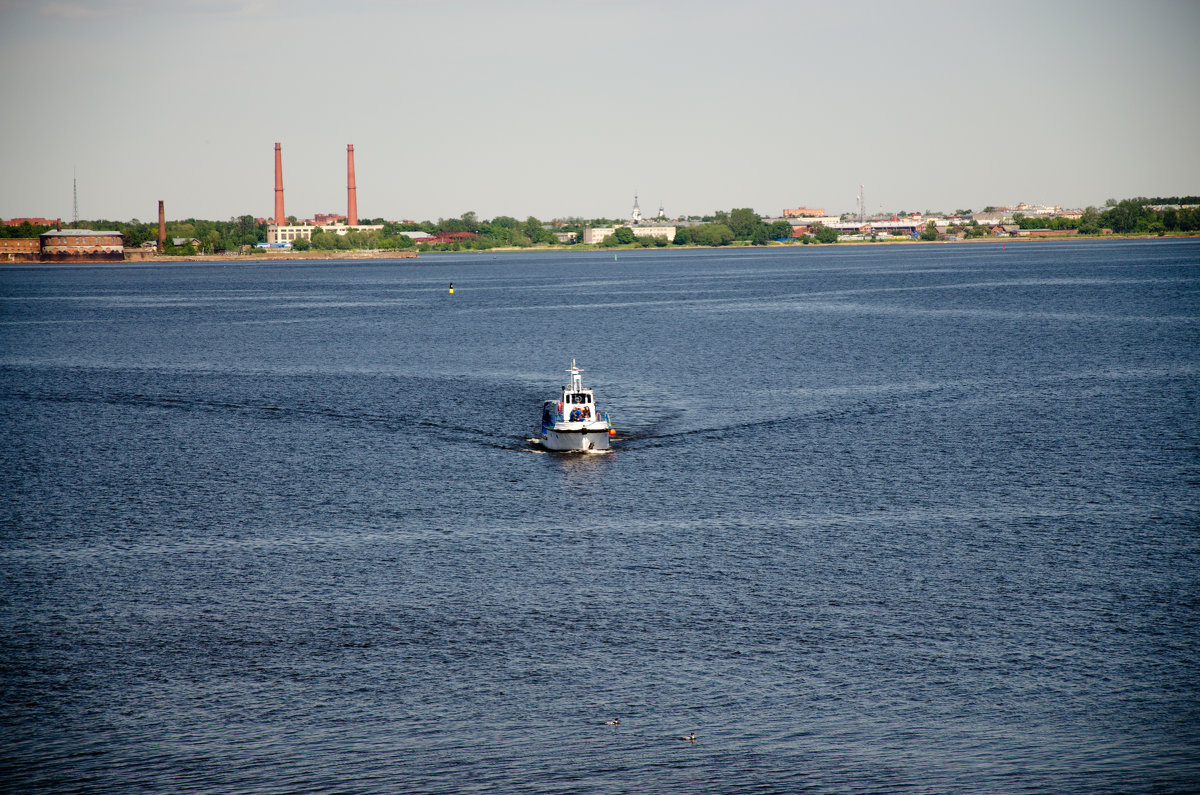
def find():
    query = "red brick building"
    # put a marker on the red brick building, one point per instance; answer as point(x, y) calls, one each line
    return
point(19, 249)
point(82, 245)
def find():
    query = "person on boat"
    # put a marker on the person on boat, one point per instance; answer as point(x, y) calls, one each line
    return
point(576, 415)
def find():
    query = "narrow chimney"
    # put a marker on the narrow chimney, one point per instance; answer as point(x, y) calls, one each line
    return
point(280, 218)
point(162, 226)
point(352, 199)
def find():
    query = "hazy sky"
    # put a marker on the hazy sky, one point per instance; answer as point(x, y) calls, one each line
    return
point(569, 107)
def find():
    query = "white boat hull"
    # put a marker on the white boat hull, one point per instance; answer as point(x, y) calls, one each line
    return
point(576, 437)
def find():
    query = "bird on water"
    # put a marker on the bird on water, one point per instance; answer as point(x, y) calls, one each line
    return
point(613, 722)
point(689, 737)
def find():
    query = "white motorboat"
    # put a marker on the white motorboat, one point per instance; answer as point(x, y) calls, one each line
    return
point(573, 422)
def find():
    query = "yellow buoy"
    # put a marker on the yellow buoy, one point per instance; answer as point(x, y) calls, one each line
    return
point(451, 288)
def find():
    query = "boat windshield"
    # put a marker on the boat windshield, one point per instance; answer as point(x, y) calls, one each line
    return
point(579, 397)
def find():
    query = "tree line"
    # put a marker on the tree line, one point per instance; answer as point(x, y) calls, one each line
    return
point(1126, 217)
point(722, 228)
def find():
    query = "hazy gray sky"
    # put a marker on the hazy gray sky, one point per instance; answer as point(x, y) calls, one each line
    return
point(568, 107)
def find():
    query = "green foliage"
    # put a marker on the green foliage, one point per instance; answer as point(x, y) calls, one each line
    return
point(24, 229)
point(623, 234)
point(683, 236)
point(929, 232)
point(537, 232)
point(712, 235)
point(780, 230)
point(759, 235)
point(973, 229)
point(1136, 216)
point(825, 234)
point(1089, 222)
point(137, 234)
point(743, 221)
point(1129, 216)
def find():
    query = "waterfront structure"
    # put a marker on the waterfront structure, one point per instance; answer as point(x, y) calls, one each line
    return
point(804, 212)
point(19, 249)
point(81, 245)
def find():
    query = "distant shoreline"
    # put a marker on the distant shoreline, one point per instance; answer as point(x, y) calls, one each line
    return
point(276, 256)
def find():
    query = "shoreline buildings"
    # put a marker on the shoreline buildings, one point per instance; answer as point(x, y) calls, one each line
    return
point(594, 235)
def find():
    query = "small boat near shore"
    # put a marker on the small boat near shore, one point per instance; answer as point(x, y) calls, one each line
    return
point(573, 422)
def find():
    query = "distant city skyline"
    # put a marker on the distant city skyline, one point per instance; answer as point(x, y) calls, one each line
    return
point(570, 108)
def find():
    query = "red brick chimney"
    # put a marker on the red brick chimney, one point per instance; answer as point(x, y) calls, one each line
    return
point(162, 226)
point(352, 199)
point(280, 218)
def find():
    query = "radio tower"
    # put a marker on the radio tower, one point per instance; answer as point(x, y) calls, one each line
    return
point(74, 201)
point(862, 205)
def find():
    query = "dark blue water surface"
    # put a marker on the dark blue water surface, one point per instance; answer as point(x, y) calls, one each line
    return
point(890, 519)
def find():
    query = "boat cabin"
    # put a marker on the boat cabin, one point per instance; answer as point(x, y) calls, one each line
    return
point(577, 404)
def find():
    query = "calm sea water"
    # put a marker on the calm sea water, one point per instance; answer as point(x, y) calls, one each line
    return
point(893, 519)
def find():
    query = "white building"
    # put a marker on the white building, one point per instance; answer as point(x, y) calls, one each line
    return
point(284, 235)
point(596, 234)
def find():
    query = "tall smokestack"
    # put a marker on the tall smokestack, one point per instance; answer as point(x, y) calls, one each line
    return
point(162, 226)
point(352, 199)
point(280, 218)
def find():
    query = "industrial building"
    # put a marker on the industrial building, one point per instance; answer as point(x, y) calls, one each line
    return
point(281, 234)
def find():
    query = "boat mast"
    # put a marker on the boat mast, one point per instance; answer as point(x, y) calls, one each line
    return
point(576, 378)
